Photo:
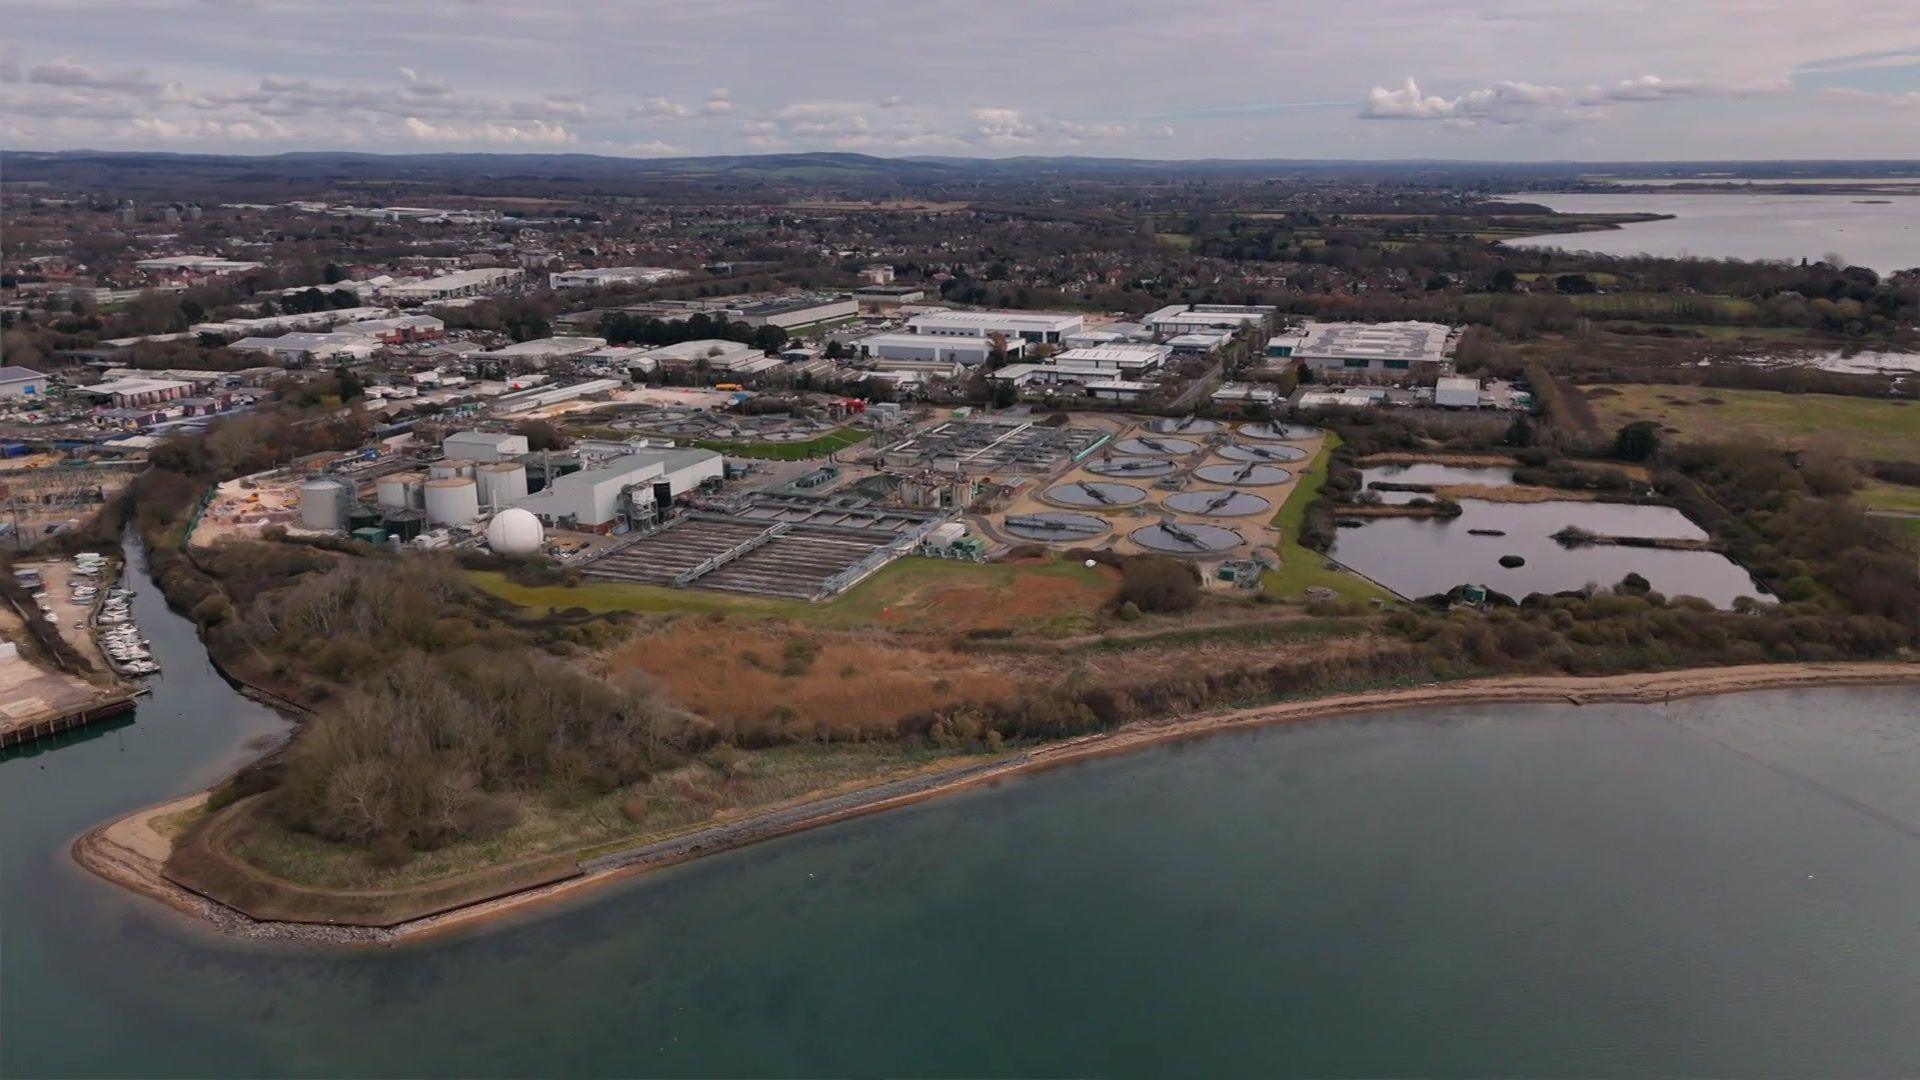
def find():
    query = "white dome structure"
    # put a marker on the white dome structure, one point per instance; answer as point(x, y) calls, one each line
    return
point(514, 531)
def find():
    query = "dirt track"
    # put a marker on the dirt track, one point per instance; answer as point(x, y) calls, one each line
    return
point(126, 851)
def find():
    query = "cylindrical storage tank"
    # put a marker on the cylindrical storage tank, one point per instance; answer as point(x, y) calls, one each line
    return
point(502, 483)
point(400, 491)
point(362, 516)
point(450, 467)
point(405, 524)
point(323, 503)
point(452, 500)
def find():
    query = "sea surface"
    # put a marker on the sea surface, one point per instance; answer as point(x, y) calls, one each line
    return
point(1881, 231)
point(1719, 886)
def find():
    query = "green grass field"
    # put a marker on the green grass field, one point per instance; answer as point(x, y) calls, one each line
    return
point(838, 439)
point(1865, 428)
point(892, 585)
point(1877, 495)
point(1302, 567)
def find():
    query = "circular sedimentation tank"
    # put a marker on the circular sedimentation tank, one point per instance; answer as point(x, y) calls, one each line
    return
point(1131, 466)
point(1094, 494)
point(1247, 474)
point(1179, 538)
point(1056, 525)
point(1276, 431)
point(1186, 425)
point(1218, 503)
point(1250, 452)
point(1149, 445)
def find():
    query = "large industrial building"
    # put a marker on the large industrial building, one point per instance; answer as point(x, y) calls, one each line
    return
point(717, 354)
point(601, 277)
point(196, 264)
point(1047, 327)
point(970, 351)
point(483, 446)
point(303, 348)
point(795, 312)
point(1363, 352)
point(21, 382)
point(622, 491)
point(1176, 319)
point(537, 353)
point(476, 282)
point(1112, 372)
point(400, 328)
point(267, 325)
point(128, 393)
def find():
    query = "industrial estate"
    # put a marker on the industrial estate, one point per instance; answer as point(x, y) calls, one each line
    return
point(588, 526)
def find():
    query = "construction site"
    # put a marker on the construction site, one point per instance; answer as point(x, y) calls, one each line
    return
point(43, 494)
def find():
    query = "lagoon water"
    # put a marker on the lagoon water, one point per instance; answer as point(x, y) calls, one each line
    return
point(1418, 557)
point(1714, 886)
point(1878, 231)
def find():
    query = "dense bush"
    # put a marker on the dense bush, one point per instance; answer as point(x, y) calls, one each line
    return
point(1158, 585)
point(420, 755)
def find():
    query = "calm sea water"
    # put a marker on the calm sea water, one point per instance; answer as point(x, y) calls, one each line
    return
point(1882, 232)
point(1720, 886)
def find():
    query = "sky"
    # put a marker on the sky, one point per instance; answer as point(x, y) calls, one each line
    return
point(1511, 80)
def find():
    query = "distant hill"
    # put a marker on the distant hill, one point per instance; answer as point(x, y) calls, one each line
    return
point(282, 176)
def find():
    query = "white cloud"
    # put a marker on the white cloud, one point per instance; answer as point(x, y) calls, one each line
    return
point(66, 73)
point(658, 107)
point(1000, 126)
point(1513, 103)
point(1542, 67)
point(1907, 99)
point(536, 133)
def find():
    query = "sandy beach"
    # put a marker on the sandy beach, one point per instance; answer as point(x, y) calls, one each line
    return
point(130, 851)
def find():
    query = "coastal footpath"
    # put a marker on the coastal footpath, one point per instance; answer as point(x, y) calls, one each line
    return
point(132, 850)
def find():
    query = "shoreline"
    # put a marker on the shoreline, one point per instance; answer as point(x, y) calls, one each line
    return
point(129, 853)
